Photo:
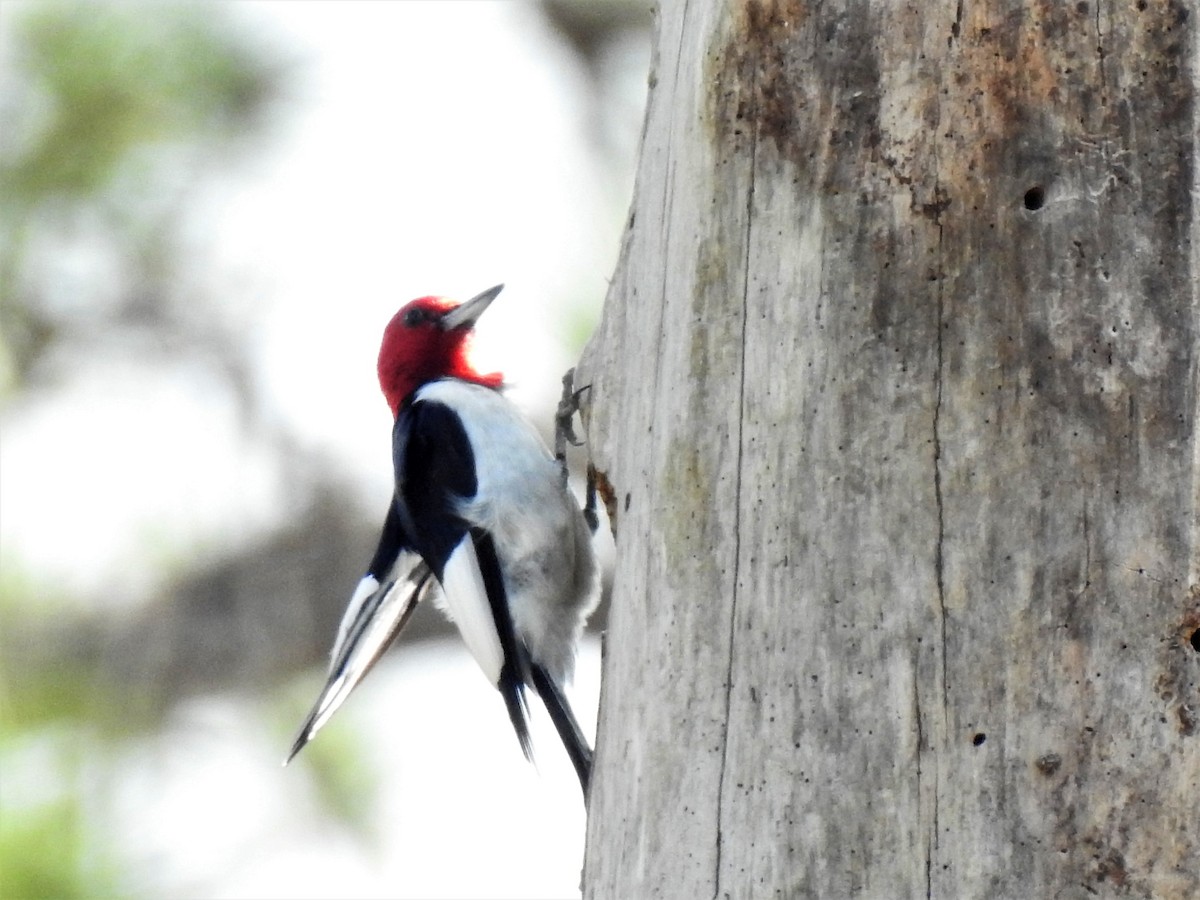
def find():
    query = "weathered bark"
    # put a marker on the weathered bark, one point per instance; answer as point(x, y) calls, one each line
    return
point(895, 396)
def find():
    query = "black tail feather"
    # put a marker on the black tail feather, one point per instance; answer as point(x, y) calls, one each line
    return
point(512, 679)
point(512, 689)
point(517, 667)
point(564, 722)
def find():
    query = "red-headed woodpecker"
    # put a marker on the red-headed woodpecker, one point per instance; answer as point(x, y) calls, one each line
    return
point(481, 506)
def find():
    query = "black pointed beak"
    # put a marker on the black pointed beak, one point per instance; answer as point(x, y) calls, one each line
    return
point(466, 314)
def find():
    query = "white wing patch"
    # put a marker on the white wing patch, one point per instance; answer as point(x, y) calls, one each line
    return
point(374, 617)
point(467, 603)
point(367, 587)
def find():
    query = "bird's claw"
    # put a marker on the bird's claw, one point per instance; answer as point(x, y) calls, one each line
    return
point(564, 420)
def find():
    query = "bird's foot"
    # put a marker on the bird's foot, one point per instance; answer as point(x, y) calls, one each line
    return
point(564, 421)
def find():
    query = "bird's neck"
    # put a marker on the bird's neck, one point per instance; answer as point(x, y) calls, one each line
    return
point(403, 389)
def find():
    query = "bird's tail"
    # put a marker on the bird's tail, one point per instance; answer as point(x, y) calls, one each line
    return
point(512, 689)
point(565, 723)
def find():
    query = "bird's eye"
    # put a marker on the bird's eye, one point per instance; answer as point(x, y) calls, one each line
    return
point(414, 317)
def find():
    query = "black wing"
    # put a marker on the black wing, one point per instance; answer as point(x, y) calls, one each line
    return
point(435, 474)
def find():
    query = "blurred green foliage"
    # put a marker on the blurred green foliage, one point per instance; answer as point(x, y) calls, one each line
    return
point(97, 98)
point(102, 105)
point(51, 845)
point(107, 81)
point(49, 852)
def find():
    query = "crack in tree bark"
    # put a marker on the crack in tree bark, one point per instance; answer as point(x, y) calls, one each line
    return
point(668, 200)
point(668, 193)
point(737, 513)
point(939, 550)
point(1100, 51)
point(1087, 558)
point(920, 749)
point(939, 562)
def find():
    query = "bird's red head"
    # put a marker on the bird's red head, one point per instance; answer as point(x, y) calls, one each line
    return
point(428, 339)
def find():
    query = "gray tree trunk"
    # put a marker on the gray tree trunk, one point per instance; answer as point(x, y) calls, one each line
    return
point(895, 402)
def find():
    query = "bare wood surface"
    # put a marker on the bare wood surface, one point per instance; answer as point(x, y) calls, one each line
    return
point(894, 404)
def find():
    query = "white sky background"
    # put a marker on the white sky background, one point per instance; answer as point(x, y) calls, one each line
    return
point(426, 148)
